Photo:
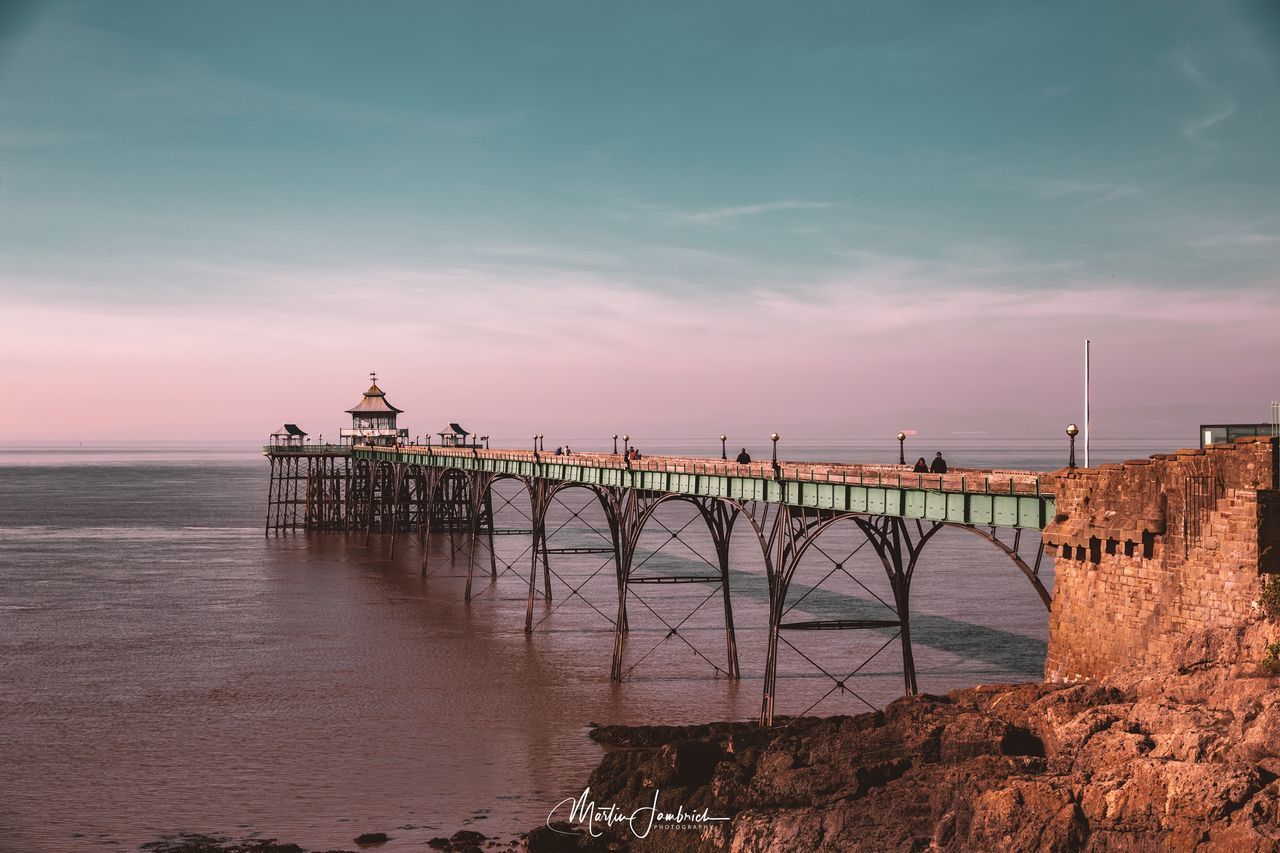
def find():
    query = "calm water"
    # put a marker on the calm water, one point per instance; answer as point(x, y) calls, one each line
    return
point(166, 667)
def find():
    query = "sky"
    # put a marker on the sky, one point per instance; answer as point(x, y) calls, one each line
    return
point(667, 218)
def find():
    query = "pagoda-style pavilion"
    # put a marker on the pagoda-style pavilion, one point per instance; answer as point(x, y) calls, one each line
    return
point(453, 436)
point(373, 419)
point(288, 435)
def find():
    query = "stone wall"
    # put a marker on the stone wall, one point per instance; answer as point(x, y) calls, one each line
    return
point(1148, 551)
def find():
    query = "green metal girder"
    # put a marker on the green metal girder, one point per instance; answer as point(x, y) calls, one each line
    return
point(978, 508)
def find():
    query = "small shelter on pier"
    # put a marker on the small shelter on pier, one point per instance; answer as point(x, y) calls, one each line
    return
point(373, 419)
point(288, 435)
point(1228, 433)
point(453, 436)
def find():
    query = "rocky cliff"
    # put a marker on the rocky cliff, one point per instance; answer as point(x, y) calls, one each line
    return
point(1186, 757)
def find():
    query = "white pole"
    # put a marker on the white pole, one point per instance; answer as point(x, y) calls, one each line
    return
point(1086, 402)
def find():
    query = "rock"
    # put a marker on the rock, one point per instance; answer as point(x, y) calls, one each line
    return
point(1186, 757)
point(372, 838)
point(560, 837)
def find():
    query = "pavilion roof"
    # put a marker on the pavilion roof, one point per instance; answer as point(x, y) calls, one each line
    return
point(374, 402)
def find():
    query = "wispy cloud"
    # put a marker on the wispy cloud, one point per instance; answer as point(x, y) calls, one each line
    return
point(506, 323)
point(1239, 237)
point(720, 215)
point(1083, 193)
point(1222, 108)
point(723, 214)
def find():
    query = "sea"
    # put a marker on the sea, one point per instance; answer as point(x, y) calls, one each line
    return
point(168, 667)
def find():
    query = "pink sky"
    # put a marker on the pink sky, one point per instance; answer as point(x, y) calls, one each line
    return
point(580, 355)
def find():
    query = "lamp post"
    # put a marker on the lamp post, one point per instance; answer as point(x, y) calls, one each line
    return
point(774, 439)
point(626, 440)
point(724, 453)
point(485, 439)
point(535, 444)
point(541, 446)
point(1072, 432)
point(615, 444)
point(902, 448)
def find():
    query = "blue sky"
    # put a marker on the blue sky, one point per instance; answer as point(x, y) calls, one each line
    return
point(831, 184)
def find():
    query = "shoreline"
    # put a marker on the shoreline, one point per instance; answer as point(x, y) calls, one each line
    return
point(1179, 757)
point(1183, 756)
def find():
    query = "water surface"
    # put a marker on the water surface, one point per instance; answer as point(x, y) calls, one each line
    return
point(164, 666)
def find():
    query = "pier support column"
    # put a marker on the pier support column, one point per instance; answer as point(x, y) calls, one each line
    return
point(627, 525)
point(780, 562)
point(430, 483)
point(399, 507)
point(540, 491)
point(720, 518)
point(271, 491)
point(898, 552)
point(481, 521)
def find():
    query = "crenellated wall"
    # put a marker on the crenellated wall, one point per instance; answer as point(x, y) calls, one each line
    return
point(1150, 550)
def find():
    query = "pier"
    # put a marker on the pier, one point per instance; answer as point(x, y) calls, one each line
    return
point(380, 484)
point(1148, 520)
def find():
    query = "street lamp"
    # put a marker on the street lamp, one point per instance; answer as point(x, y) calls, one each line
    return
point(626, 439)
point(777, 469)
point(902, 448)
point(485, 439)
point(540, 443)
point(724, 454)
point(615, 444)
point(1072, 432)
point(535, 444)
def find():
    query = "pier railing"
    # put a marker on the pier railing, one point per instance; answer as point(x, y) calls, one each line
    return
point(306, 449)
point(977, 497)
point(990, 481)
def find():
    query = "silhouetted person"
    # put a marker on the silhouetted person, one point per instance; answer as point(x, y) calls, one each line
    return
point(559, 451)
point(939, 465)
point(636, 451)
point(922, 467)
point(744, 458)
point(567, 451)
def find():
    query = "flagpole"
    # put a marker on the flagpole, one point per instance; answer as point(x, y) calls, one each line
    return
point(1086, 402)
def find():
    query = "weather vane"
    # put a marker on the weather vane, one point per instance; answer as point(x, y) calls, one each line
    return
point(373, 375)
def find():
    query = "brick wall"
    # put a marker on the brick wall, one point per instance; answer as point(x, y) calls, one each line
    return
point(1149, 550)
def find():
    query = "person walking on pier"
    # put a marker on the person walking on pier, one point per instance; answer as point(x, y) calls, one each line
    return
point(922, 467)
point(939, 465)
point(744, 458)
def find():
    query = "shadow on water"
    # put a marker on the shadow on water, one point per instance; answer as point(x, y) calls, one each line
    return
point(974, 642)
point(966, 640)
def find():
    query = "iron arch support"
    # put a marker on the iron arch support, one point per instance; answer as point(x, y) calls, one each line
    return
point(1032, 572)
point(719, 516)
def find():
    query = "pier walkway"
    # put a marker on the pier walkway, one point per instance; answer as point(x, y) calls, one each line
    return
point(969, 496)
